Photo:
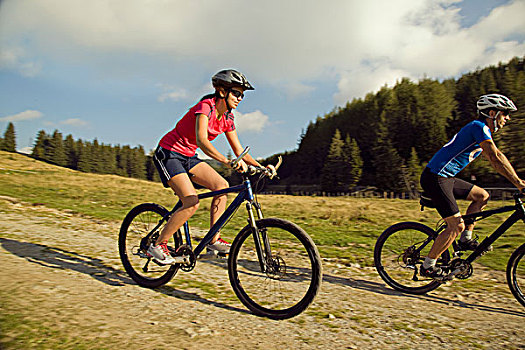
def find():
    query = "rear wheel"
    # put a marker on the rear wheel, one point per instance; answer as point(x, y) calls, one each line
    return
point(137, 224)
point(516, 274)
point(399, 253)
point(291, 274)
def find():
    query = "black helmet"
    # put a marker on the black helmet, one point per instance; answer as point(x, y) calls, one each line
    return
point(229, 78)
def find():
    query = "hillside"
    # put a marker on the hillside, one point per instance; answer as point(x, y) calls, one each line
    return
point(399, 128)
point(63, 286)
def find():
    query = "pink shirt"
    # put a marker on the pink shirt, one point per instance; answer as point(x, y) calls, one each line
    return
point(182, 138)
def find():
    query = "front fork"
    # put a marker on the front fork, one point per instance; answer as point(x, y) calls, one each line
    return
point(259, 235)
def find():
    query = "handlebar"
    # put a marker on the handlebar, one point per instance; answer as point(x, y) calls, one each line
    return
point(252, 170)
point(236, 161)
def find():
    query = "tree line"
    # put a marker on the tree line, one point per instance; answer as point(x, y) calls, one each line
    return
point(93, 157)
point(383, 140)
point(386, 138)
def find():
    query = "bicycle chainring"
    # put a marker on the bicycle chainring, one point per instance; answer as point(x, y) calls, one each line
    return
point(466, 269)
point(184, 250)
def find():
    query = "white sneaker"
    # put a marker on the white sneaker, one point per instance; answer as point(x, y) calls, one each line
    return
point(161, 254)
point(220, 246)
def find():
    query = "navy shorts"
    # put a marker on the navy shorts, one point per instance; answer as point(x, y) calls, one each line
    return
point(444, 191)
point(170, 163)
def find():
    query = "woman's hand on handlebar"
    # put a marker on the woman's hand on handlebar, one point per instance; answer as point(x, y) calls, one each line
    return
point(272, 172)
point(241, 166)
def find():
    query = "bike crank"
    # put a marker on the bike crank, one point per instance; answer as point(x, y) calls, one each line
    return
point(460, 269)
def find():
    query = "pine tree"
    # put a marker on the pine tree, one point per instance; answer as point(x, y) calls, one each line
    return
point(108, 160)
point(354, 162)
point(151, 171)
point(333, 173)
point(85, 161)
point(387, 162)
point(413, 173)
point(9, 140)
point(56, 152)
point(39, 149)
point(70, 149)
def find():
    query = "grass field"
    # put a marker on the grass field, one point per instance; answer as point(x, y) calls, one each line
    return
point(342, 227)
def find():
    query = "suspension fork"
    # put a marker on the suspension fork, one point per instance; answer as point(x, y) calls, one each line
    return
point(258, 234)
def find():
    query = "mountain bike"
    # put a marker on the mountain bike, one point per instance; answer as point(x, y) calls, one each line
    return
point(274, 267)
point(401, 249)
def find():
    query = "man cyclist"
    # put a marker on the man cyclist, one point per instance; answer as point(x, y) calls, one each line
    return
point(440, 184)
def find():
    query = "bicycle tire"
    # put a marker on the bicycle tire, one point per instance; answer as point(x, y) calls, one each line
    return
point(516, 274)
point(394, 246)
point(137, 224)
point(294, 272)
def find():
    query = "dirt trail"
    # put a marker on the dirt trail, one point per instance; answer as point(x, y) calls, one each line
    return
point(63, 271)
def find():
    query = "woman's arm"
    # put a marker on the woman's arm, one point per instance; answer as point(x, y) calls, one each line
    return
point(201, 133)
point(235, 144)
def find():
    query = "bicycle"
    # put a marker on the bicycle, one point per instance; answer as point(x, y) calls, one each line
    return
point(274, 267)
point(401, 249)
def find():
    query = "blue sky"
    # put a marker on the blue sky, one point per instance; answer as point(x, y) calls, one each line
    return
point(124, 71)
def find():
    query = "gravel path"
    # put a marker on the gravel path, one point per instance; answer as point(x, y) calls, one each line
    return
point(63, 272)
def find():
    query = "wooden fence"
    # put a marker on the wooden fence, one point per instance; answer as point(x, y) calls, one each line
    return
point(496, 193)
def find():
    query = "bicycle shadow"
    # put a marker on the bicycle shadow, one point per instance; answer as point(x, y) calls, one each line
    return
point(183, 295)
point(381, 288)
point(57, 258)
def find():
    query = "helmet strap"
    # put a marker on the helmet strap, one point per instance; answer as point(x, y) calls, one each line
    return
point(225, 98)
point(492, 118)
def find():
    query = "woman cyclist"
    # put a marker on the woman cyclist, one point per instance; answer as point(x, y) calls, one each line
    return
point(178, 165)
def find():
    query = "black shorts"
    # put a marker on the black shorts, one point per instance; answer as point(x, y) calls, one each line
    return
point(444, 191)
point(170, 163)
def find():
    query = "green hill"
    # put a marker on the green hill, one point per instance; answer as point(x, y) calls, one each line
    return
point(343, 228)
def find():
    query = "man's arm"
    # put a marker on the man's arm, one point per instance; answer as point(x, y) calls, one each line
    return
point(502, 165)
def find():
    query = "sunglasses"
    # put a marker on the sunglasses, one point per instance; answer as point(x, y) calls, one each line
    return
point(237, 93)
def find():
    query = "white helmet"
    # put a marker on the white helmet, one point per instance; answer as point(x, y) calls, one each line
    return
point(496, 101)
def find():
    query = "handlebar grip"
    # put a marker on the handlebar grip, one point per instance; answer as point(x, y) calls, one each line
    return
point(236, 161)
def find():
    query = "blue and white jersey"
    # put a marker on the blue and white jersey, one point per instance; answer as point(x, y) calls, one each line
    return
point(461, 150)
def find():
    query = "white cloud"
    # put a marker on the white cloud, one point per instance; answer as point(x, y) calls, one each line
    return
point(286, 44)
point(14, 59)
point(175, 95)
point(76, 122)
point(25, 115)
point(250, 122)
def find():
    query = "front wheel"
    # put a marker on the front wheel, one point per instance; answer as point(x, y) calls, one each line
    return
point(399, 253)
point(516, 274)
point(139, 223)
point(287, 279)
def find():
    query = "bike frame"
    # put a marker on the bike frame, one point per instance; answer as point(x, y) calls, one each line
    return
point(519, 214)
point(245, 194)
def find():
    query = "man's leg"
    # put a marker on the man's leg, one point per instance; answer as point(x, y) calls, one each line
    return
point(455, 226)
point(479, 198)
